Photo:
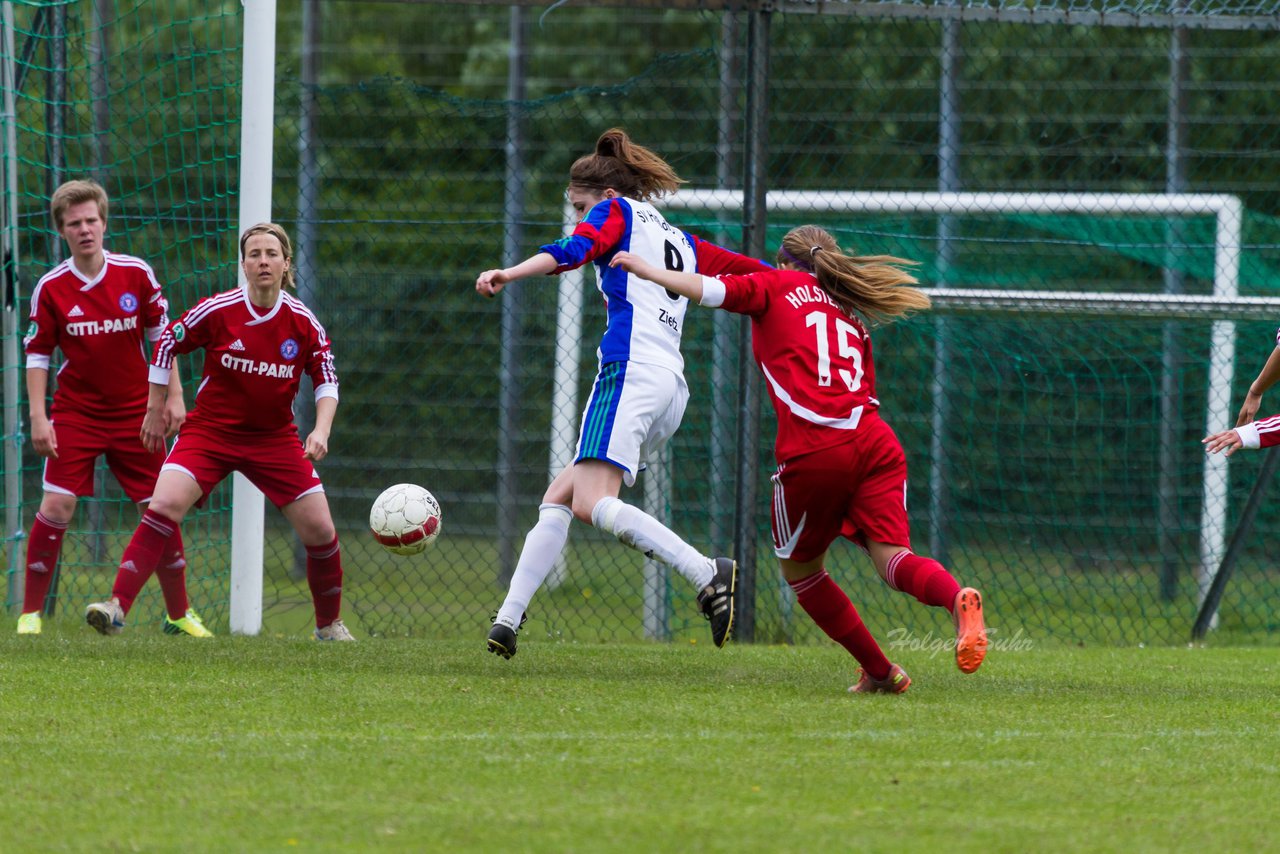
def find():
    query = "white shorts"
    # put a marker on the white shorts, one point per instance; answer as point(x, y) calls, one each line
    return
point(633, 410)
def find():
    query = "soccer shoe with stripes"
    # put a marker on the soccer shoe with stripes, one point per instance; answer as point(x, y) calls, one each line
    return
point(502, 638)
point(971, 631)
point(335, 631)
point(29, 624)
point(106, 617)
point(897, 682)
point(188, 624)
point(716, 600)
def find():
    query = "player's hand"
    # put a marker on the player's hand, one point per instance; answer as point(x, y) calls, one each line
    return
point(153, 432)
point(44, 439)
point(632, 263)
point(317, 445)
point(490, 282)
point(175, 415)
point(1249, 411)
point(1227, 439)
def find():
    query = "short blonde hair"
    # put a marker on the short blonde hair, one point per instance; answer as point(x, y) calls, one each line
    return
point(72, 193)
point(278, 232)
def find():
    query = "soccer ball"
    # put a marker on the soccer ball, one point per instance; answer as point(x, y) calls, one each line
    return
point(405, 519)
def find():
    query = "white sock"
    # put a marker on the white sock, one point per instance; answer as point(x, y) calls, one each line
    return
point(542, 547)
point(642, 532)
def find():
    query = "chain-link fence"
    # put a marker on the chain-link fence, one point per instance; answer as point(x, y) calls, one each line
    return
point(1055, 458)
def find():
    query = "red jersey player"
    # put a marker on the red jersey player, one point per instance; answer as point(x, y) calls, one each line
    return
point(841, 470)
point(98, 308)
point(257, 343)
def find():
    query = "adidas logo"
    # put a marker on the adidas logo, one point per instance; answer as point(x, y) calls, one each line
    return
point(75, 312)
point(237, 345)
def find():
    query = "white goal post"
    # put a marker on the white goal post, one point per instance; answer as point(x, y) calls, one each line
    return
point(1227, 211)
point(257, 120)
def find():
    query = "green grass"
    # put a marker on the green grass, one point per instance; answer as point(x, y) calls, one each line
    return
point(145, 743)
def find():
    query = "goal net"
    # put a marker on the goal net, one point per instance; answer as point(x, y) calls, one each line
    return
point(1052, 402)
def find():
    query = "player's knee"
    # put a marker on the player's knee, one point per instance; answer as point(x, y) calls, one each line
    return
point(58, 507)
point(174, 511)
point(317, 534)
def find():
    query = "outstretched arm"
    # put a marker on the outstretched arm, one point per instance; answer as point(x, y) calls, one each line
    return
point(686, 284)
point(1266, 379)
point(1228, 440)
point(1263, 433)
point(490, 282)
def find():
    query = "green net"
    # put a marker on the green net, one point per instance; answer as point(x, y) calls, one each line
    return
point(1055, 497)
point(152, 113)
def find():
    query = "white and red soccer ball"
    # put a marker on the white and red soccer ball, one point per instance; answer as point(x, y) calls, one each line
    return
point(405, 519)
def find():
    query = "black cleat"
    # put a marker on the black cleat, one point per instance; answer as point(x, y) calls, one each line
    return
point(502, 639)
point(716, 600)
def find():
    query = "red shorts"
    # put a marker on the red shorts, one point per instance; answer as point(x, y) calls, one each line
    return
point(856, 490)
point(275, 464)
point(80, 444)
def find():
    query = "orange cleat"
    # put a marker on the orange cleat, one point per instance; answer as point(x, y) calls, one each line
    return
point(896, 682)
point(971, 631)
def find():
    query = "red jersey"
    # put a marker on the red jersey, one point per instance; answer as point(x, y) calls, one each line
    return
point(254, 359)
point(816, 359)
point(99, 325)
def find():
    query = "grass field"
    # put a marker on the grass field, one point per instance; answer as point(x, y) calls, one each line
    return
point(151, 743)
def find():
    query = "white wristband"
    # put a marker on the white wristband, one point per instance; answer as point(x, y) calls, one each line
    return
point(712, 292)
point(1248, 434)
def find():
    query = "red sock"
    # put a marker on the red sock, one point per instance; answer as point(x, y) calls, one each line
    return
point(142, 556)
point(324, 577)
point(43, 548)
point(924, 578)
point(172, 575)
point(824, 601)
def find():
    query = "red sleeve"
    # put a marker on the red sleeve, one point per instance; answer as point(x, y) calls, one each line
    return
point(715, 260)
point(182, 336)
point(599, 232)
point(1268, 431)
point(320, 362)
point(156, 312)
point(748, 294)
point(42, 332)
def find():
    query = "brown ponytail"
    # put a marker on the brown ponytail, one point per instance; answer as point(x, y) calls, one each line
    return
point(874, 286)
point(628, 169)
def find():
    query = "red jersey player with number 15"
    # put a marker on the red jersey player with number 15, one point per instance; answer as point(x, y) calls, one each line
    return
point(841, 470)
point(257, 343)
point(99, 309)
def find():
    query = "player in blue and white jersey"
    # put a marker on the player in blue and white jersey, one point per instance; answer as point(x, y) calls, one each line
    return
point(640, 394)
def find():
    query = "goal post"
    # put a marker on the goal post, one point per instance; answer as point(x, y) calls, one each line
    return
point(1224, 306)
point(257, 120)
